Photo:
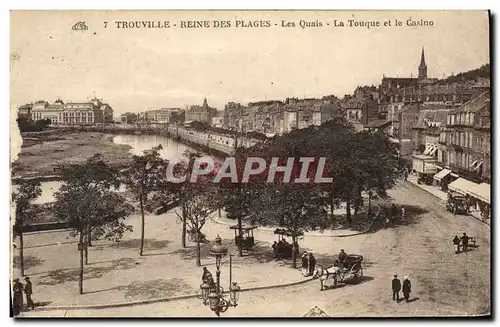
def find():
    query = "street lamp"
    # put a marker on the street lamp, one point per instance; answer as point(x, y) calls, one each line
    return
point(213, 295)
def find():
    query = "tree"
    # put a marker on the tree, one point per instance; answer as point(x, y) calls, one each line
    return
point(237, 197)
point(297, 208)
point(28, 192)
point(146, 174)
point(87, 202)
point(199, 201)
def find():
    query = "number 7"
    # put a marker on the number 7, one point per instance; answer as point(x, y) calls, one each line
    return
point(105, 24)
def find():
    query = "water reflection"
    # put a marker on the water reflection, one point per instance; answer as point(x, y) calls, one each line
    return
point(172, 150)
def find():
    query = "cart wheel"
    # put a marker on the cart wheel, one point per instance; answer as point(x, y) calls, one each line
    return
point(358, 274)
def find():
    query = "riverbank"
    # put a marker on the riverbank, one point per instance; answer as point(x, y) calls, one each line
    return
point(41, 160)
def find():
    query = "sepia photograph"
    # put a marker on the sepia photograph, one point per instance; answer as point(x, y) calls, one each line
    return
point(250, 164)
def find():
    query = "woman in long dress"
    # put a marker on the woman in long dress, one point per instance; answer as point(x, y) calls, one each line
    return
point(305, 264)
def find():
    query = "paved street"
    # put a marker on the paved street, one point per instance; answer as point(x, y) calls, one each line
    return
point(442, 282)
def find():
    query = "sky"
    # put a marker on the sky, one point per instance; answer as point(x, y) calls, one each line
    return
point(141, 69)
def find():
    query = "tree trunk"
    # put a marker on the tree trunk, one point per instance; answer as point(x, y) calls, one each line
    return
point(332, 204)
point(294, 250)
point(142, 226)
point(348, 208)
point(198, 247)
point(240, 236)
point(184, 225)
point(369, 203)
point(86, 252)
point(21, 252)
point(89, 240)
point(80, 281)
point(87, 237)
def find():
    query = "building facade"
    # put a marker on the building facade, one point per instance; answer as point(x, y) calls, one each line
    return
point(73, 113)
point(466, 141)
point(203, 113)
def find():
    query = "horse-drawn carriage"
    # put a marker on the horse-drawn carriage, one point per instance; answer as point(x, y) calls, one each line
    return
point(283, 249)
point(351, 270)
point(457, 204)
point(247, 240)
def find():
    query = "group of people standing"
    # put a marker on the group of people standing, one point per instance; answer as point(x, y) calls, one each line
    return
point(396, 288)
point(461, 242)
point(308, 264)
point(18, 289)
point(393, 213)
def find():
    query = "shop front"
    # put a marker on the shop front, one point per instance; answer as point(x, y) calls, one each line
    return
point(480, 199)
point(442, 179)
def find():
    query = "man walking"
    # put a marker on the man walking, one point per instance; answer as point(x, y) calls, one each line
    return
point(312, 264)
point(406, 288)
point(28, 290)
point(465, 242)
point(396, 287)
point(403, 216)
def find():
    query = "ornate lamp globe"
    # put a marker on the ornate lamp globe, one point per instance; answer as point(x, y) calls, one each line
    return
point(205, 289)
point(234, 293)
point(218, 250)
point(213, 299)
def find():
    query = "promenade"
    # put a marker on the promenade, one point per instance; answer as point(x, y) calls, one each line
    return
point(117, 274)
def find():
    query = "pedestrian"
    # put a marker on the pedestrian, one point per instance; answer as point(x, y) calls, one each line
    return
point(206, 275)
point(456, 244)
point(18, 296)
point(394, 211)
point(305, 264)
point(403, 216)
point(465, 242)
point(406, 174)
point(312, 264)
point(28, 290)
point(406, 288)
point(396, 287)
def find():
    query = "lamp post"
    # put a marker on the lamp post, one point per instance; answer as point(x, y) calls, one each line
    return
point(214, 296)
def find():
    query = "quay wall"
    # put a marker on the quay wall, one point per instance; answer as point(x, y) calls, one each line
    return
point(215, 143)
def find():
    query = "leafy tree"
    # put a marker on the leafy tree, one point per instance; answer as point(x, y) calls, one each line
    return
point(181, 190)
point(146, 175)
point(87, 202)
point(198, 202)
point(28, 125)
point(297, 208)
point(28, 192)
point(379, 164)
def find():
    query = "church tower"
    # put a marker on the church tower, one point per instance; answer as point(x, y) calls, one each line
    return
point(422, 69)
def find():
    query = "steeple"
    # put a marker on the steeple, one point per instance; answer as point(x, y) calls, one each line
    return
point(422, 69)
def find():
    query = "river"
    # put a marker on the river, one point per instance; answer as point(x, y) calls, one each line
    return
point(172, 150)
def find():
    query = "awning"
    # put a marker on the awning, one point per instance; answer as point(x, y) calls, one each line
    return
point(473, 163)
point(442, 174)
point(461, 186)
point(481, 192)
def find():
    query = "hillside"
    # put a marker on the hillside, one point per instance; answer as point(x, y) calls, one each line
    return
point(471, 75)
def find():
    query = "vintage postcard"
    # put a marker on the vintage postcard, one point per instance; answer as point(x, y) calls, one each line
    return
point(250, 164)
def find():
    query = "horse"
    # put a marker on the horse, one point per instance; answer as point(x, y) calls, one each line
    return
point(326, 273)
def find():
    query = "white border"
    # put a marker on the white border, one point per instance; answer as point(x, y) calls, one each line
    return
point(151, 5)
